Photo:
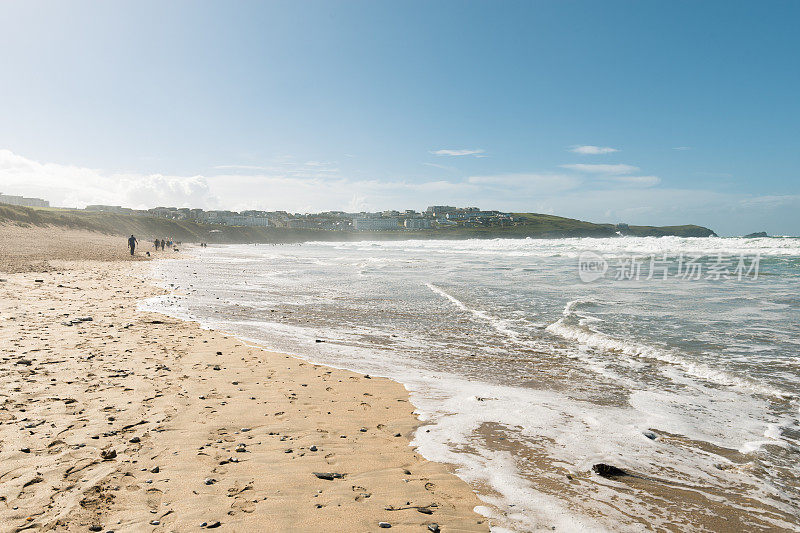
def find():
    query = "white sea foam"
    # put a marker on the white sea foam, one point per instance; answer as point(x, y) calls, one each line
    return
point(601, 341)
point(462, 326)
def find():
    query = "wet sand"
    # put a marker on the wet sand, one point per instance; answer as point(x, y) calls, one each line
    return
point(134, 421)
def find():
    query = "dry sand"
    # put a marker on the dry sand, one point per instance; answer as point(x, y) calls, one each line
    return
point(138, 422)
point(25, 248)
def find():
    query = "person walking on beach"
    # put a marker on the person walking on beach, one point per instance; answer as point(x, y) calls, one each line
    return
point(156, 243)
point(132, 242)
point(162, 245)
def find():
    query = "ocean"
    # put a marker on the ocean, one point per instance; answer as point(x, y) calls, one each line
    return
point(530, 361)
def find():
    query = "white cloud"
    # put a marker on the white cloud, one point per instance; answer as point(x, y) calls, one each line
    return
point(286, 165)
point(458, 152)
point(588, 149)
point(682, 148)
point(601, 169)
point(523, 183)
point(241, 167)
point(71, 186)
point(436, 165)
point(772, 201)
point(642, 181)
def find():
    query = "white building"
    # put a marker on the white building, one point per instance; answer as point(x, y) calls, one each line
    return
point(375, 224)
point(238, 220)
point(21, 200)
point(241, 220)
point(417, 223)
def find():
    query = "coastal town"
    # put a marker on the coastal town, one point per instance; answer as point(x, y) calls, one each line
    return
point(434, 217)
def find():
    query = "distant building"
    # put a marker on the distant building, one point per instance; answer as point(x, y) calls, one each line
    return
point(240, 220)
point(470, 213)
point(21, 200)
point(375, 224)
point(164, 212)
point(440, 210)
point(417, 223)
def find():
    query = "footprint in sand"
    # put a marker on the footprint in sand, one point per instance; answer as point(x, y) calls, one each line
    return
point(129, 482)
point(154, 497)
point(362, 493)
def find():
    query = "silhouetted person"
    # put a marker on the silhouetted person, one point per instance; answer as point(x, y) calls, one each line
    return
point(132, 242)
point(162, 244)
point(157, 243)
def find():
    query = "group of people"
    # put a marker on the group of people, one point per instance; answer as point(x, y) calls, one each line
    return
point(158, 244)
point(162, 243)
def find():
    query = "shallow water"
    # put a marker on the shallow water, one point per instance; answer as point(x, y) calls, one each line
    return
point(529, 375)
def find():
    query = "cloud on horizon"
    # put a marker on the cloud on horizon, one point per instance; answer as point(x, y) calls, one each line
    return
point(601, 193)
point(588, 149)
point(72, 186)
point(644, 181)
point(458, 152)
point(601, 168)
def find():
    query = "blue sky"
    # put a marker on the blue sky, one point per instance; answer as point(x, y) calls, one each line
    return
point(644, 112)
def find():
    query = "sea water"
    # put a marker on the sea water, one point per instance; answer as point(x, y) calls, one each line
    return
point(528, 373)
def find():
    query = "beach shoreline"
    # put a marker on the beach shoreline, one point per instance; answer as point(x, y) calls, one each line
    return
point(138, 421)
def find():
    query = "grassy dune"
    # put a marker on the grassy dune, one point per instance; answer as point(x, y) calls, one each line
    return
point(145, 227)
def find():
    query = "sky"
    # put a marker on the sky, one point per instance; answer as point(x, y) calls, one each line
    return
point(645, 112)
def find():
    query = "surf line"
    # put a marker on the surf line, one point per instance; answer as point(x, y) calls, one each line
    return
point(495, 322)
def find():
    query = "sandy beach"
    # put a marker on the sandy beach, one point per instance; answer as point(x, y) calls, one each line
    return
point(118, 420)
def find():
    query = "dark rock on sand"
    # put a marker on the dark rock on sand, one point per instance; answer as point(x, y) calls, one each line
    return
point(385, 525)
point(213, 525)
point(434, 528)
point(608, 471)
point(109, 454)
point(330, 476)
